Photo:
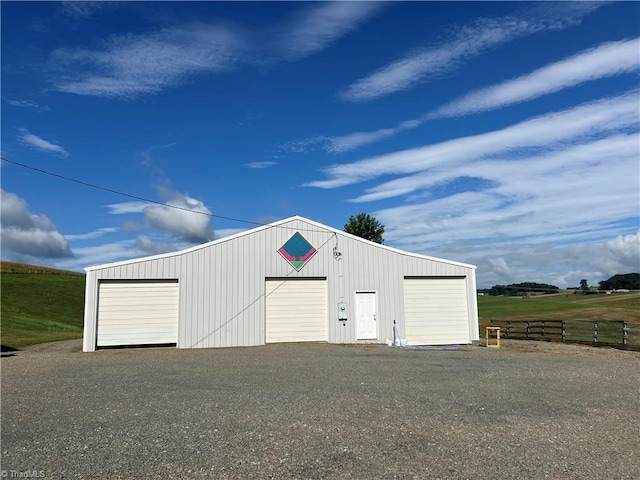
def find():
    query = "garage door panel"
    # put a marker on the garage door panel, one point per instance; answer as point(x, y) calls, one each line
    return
point(132, 313)
point(436, 311)
point(296, 310)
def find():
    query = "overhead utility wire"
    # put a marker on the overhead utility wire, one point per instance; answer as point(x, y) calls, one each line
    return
point(136, 197)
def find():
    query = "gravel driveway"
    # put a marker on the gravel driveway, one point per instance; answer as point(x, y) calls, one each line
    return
point(530, 410)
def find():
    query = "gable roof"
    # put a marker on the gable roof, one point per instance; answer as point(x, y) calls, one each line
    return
point(276, 224)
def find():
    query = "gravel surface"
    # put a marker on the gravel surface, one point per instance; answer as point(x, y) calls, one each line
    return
point(529, 410)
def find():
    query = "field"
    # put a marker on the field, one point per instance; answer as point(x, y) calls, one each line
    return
point(578, 311)
point(40, 307)
point(563, 306)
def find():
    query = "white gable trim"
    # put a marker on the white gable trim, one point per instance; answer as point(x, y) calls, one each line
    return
point(273, 225)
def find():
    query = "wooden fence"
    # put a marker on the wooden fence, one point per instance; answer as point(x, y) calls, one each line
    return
point(612, 333)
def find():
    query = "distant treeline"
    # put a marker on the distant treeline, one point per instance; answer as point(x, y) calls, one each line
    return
point(519, 289)
point(626, 281)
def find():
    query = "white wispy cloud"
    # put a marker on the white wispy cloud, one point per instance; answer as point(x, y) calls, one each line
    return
point(315, 28)
point(227, 232)
point(498, 168)
point(527, 209)
point(41, 144)
point(587, 120)
point(27, 104)
point(258, 165)
point(129, 65)
point(466, 42)
point(127, 207)
point(101, 232)
point(83, 10)
point(595, 174)
point(98, 254)
point(26, 235)
point(345, 143)
point(606, 60)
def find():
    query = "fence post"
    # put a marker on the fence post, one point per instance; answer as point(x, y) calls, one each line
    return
point(543, 329)
point(564, 331)
point(625, 335)
point(508, 326)
point(595, 332)
point(528, 325)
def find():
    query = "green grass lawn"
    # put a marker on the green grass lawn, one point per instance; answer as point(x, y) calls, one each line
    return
point(40, 307)
point(624, 306)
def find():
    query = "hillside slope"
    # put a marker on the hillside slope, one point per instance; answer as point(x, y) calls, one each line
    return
point(39, 307)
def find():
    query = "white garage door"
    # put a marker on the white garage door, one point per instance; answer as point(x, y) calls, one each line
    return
point(137, 313)
point(296, 310)
point(436, 311)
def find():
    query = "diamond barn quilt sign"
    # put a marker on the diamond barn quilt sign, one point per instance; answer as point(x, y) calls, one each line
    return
point(297, 251)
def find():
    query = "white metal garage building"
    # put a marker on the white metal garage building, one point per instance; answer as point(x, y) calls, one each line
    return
point(295, 280)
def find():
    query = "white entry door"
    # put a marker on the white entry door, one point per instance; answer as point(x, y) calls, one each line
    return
point(366, 321)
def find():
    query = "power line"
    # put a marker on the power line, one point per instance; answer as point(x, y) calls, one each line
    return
point(147, 200)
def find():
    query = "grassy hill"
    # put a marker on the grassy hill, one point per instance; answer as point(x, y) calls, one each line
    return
point(39, 304)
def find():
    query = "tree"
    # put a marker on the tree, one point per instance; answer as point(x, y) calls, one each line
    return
point(629, 281)
point(584, 285)
point(365, 226)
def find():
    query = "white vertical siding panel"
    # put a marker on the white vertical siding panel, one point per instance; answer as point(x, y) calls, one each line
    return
point(187, 302)
point(472, 303)
point(90, 313)
point(238, 254)
point(195, 278)
point(229, 320)
point(217, 298)
point(198, 299)
point(207, 291)
point(243, 285)
point(235, 330)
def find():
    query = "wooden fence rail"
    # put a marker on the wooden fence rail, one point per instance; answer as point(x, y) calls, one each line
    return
point(580, 331)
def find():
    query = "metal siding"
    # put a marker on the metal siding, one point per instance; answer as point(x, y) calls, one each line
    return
point(90, 313)
point(222, 285)
point(184, 330)
point(472, 306)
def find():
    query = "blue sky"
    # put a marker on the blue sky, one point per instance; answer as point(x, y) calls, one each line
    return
point(502, 134)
